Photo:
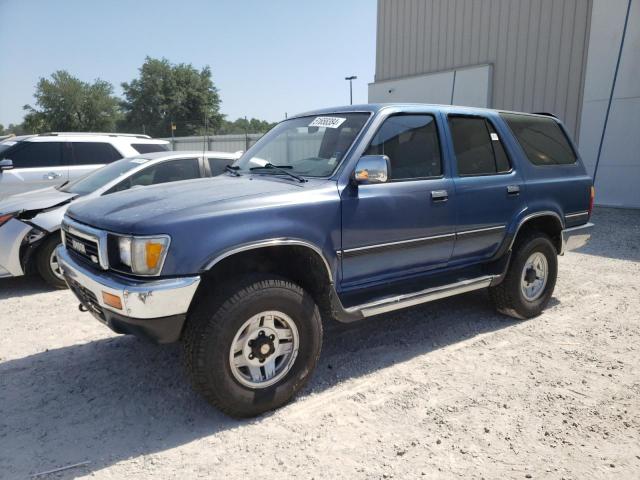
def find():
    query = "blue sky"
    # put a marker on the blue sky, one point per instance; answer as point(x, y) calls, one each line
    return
point(267, 57)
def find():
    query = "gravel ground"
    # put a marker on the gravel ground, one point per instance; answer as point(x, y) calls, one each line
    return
point(450, 389)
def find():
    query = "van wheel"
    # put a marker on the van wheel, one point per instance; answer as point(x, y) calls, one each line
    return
point(47, 262)
point(250, 348)
point(530, 280)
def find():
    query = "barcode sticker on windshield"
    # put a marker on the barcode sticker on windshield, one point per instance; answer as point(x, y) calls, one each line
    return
point(328, 122)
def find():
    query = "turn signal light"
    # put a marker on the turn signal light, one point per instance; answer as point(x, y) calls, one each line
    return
point(112, 300)
point(5, 218)
point(592, 196)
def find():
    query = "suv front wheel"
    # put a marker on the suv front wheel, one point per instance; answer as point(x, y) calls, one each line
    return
point(530, 280)
point(253, 346)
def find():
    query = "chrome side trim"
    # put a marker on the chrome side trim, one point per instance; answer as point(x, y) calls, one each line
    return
point(274, 242)
point(575, 237)
point(90, 233)
point(435, 293)
point(400, 242)
point(534, 215)
point(575, 215)
point(140, 299)
point(481, 230)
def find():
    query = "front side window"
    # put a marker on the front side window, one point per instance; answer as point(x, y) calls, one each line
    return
point(165, 172)
point(310, 146)
point(541, 138)
point(216, 165)
point(35, 154)
point(411, 143)
point(477, 146)
point(94, 153)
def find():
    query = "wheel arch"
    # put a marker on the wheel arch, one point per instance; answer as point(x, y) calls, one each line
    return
point(547, 221)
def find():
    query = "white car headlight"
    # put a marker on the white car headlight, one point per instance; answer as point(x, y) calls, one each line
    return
point(144, 255)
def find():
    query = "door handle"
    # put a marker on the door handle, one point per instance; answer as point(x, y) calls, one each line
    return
point(51, 176)
point(439, 195)
point(513, 190)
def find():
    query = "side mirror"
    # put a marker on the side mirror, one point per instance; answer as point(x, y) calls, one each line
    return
point(6, 164)
point(372, 169)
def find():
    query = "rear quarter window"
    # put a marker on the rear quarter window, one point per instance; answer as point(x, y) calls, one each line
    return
point(542, 139)
point(94, 153)
point(150, 147)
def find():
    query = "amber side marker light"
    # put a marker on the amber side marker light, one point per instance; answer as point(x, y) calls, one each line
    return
point(112, 300)
point(592, 196)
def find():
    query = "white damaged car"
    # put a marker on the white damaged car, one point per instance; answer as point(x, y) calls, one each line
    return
point(30, 222)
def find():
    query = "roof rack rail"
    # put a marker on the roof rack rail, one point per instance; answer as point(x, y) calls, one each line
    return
point(107, 134)
point(546, 114)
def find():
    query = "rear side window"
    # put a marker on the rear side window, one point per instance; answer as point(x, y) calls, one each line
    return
point(94, 153)
point(411, 143)
point(150, 147)
point(35, 154)
point(542, 139)
point(478, 148)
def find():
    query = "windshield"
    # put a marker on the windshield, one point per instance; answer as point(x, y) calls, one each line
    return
point(100, 177)
point(309, 146)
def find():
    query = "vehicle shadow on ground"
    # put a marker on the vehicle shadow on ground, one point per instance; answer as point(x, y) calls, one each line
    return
point(120, 398)
point(22, 286)
point(616, 234)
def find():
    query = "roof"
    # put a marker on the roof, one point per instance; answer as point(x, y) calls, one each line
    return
point(376, 107)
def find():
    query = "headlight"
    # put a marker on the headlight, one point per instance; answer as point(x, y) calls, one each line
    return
point(144, 255)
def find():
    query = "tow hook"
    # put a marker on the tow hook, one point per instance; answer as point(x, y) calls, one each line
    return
point(82, 308)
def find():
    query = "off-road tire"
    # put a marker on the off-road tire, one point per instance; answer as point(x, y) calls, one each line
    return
point(212, 325)
point(507, 297)
point(42, 262)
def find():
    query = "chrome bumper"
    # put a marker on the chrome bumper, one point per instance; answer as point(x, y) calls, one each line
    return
point(140, 299)
point(575, 237)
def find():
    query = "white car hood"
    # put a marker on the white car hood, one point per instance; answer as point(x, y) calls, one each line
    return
point(35, 200)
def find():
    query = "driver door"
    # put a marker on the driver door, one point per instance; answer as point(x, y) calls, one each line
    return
point(407, 224)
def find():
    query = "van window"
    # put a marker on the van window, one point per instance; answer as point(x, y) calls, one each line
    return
point(542, 139)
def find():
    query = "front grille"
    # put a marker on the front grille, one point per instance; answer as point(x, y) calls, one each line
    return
point(83, 247)
point(86, 297)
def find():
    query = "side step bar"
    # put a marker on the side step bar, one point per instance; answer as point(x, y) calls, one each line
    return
point(430, 294)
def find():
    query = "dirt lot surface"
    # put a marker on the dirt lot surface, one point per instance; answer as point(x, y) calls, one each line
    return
point(450, 389)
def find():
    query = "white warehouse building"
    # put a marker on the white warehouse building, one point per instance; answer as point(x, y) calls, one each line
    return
point(576, 59)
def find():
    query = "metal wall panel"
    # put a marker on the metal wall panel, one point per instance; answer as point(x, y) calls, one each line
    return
point(537, 47)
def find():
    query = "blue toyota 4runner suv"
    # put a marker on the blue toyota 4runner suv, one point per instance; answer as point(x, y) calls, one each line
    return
point(340, 213)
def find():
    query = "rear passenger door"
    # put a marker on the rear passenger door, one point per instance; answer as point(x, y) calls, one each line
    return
point(35, 165)
point(87, 156)
point(489, 189)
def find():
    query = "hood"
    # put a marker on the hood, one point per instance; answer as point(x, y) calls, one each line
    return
point(133, 210)
point(35, 200)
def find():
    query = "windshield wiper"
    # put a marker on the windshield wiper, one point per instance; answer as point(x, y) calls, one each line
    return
point(232, 170)
point(280, 169)
point(59, 187)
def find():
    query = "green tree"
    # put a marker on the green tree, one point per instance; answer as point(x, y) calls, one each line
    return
point(242, 125)
point(165, 93)
point(65, 103)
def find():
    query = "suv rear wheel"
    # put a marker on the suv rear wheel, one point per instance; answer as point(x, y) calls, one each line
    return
point(530, 280)
point(252, 347)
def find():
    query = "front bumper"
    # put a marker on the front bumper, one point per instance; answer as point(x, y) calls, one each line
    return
point(155, 309)
point(576, 237)
point(12, 235)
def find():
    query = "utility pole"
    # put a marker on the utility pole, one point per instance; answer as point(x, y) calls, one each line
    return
point(351, 79)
